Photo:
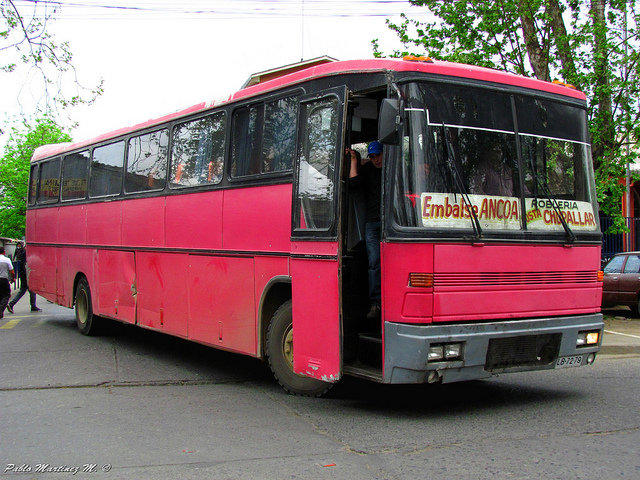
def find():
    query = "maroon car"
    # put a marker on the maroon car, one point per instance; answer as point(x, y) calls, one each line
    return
point(622, 281)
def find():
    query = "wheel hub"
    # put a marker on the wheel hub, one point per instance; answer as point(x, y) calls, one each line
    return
point(287, 347)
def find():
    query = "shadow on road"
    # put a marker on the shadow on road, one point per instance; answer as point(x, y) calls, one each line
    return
point(218, 366)
point(619, 311)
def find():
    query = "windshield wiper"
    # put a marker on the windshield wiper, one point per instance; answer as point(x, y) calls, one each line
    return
point(451, 163)
point(554, 201)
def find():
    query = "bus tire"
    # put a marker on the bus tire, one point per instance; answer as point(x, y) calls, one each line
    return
point(87, 322)
point(280, 353)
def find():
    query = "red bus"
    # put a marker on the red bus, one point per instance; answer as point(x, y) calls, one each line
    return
point(235, 224)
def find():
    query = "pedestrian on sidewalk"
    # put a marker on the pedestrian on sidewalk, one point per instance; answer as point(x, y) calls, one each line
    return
point(7, 275)
point(21, 256)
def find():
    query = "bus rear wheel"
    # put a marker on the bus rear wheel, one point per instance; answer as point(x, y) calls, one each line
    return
point(280, 353)
point(87, 322)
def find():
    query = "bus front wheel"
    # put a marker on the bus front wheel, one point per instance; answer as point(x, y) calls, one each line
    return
point(87, 323)
point(280, 353)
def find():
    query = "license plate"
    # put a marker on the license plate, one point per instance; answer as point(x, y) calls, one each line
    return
point(565, 362)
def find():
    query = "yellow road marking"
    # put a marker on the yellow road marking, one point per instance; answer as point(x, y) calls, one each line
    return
point(11, 323)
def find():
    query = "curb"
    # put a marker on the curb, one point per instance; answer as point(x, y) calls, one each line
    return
point(620, 350)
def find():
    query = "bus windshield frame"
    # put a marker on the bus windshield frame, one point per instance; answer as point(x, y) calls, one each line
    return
point(480, 163)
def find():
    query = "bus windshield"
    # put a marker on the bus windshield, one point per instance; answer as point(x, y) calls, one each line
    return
point(520, 162)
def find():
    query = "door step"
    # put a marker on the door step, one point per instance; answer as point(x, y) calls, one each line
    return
point(370, 349)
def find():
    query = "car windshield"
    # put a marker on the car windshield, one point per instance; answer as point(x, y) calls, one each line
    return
point(614, 265)
point(521, 162)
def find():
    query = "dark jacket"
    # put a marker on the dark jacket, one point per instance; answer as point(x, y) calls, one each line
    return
point(368, 181)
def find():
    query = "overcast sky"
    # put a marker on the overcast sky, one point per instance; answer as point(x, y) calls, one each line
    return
point(160, 56)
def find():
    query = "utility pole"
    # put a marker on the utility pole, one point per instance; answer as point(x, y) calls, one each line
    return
point(302, 34)
point(627, 182)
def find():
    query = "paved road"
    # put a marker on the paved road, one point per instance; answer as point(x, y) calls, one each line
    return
point(139, 405)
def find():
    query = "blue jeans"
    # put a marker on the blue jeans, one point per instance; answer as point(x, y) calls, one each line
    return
point(23, 289)
point(372, 238)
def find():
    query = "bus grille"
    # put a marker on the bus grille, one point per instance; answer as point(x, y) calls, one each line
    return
point(513, 278)
point(522, 351)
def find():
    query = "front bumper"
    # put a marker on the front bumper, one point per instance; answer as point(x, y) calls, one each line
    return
point(488, 348)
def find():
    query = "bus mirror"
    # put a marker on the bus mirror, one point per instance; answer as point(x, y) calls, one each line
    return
point(389, 122)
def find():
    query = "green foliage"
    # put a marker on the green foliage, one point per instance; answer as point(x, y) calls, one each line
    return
point(23, 139)
point(592, 44)
point(476, 32)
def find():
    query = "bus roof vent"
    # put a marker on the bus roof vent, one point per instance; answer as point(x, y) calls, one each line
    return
point(261, 77)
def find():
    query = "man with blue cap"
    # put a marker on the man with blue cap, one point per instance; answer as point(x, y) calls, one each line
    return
point(369, 181)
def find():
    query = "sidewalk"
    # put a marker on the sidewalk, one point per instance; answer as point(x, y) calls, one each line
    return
point(621, 332)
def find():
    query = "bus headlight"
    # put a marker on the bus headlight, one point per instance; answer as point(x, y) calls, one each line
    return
point(436, 353)
point(586, 338)
point(445, 352)
point(452, 351)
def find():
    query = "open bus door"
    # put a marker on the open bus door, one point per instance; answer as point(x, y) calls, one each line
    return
point(315, 256)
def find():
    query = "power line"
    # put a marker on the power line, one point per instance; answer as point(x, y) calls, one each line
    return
point(224, 8)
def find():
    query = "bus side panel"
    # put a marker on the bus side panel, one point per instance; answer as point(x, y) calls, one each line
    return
point(73, 225)
point(72, 228)
point(143, 222)
point(316, 318)
point(30, 233)
point(195, 220)
point(103, 223)
point(258, 219)
point(41, 265)
point(162, 291)
point(267, 268)
point(46, 225)
point(116, 285)
point(222, 303)
point(73, 261)
point(401, 302)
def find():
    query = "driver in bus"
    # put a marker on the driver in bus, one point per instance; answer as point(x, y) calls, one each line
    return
point(492, 174)
point(369, 180)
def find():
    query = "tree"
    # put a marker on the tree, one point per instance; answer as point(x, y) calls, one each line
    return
point(27, 44)
point(591, 44)
point(14, 170)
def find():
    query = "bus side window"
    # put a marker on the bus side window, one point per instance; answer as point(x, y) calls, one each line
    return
point(279, 143)
point(106, 170)
point(33, 184)
point(147, 162)
point(75, 168)
point(197, 152)
point(49, 191)
point(247, 132)
point(315, 197)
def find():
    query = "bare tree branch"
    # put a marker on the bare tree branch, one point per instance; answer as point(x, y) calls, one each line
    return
point(26, 44)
